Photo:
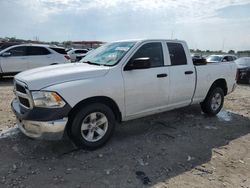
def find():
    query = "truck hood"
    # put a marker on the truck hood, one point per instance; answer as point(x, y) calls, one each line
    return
point(39, 78)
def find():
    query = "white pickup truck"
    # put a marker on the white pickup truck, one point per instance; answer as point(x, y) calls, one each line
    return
point(117, 82)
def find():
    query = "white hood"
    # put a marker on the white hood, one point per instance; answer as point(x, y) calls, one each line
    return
point(39, 78)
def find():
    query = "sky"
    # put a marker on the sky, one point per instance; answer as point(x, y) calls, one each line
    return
point(210, 24)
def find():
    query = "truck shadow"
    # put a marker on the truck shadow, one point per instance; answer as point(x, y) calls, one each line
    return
point(161, 146)
point(243, 84)
point(6, 81)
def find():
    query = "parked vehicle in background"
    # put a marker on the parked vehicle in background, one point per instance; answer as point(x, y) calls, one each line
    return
point(220, 58)
point(77, 54)
point(243, 66)
point(68, 49)
point(196, 56)
point(22, 57)
point(5, 45)
point(198, 59)
point(116, 82)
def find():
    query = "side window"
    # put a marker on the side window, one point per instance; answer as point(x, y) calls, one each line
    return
point(177, 54)
point(59, 50)
point(36, 50)
point(227, 59)
point(230, 58)
point(152, 50)
point(224, 59)
point(81, 51)
point(18, 51)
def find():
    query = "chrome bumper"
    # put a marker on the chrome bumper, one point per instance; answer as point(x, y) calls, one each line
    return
point(50, 130)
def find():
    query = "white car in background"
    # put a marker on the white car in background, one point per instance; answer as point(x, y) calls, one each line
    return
point(77, 54)
point(22, 57)
point(220, 58)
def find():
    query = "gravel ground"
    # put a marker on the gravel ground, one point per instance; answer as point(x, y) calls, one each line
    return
point(181, 148)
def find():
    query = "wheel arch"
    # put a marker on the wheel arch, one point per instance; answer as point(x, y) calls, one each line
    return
point(97, 99)
point(221, 82)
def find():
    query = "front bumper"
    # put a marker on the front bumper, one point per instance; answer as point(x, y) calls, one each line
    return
point(50, 130)
point(35, 127)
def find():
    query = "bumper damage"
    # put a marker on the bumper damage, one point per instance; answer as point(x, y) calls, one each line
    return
point(51, 128)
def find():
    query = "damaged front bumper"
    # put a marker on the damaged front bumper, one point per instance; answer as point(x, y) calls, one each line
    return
point(50, 130)
point(34, 126)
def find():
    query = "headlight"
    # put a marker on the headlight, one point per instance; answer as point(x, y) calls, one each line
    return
point(47, 99)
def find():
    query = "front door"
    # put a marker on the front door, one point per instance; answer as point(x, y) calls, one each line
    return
point(147, 89)
point(16, 62)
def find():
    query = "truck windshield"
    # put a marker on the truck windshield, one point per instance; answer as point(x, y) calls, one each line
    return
point(108, 54)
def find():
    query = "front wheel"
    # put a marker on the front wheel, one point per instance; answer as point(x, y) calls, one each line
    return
point(92, 126)
point(213, 102)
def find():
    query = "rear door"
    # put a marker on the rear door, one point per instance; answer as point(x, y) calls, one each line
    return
point(16, 62)
point(147, 89)
point(182, 75)
point(38, 56)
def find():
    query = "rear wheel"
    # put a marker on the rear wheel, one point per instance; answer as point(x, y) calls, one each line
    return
point(92, 126)
point(213, 102)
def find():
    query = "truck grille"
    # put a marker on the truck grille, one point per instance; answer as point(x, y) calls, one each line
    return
point(20, 88)
point(23, 94)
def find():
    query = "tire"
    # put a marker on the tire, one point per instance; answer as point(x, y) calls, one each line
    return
point(213, 102)
point(85, 131)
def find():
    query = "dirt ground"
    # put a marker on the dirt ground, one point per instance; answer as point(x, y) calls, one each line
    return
point(181, 148)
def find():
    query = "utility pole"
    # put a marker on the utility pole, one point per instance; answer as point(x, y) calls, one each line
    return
point(223, 44)
point(172, 34)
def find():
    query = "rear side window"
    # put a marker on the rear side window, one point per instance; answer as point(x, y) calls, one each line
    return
point(59, 50)
point(18, 51)
point(177, 54)
point(152, 50)
point(36, 50)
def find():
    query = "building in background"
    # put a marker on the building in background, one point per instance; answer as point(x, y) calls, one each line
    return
point(86, 44)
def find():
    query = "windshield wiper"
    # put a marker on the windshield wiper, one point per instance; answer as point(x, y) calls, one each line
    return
point(91, 63)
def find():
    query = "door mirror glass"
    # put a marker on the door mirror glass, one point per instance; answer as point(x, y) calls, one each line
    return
point(6, 54)
point(139, 63)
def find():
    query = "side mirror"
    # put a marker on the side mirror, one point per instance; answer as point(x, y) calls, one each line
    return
point(6, 54)
point(138, 63)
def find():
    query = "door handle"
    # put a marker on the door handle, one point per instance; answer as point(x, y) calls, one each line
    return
point(161, 75)
point(189, 72)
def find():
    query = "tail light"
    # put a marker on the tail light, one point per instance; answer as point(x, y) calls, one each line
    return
point(67, 57)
